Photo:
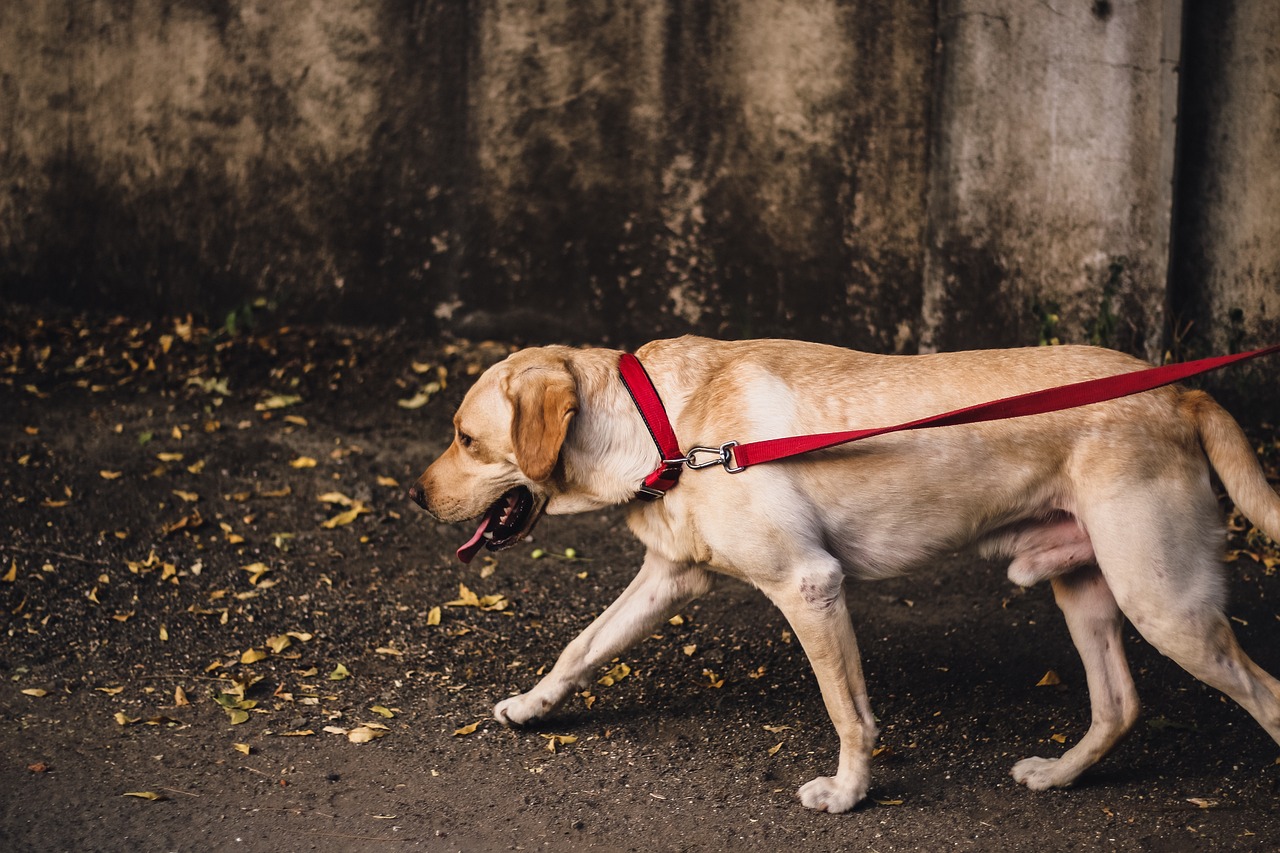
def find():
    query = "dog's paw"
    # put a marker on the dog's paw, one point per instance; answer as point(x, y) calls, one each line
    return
point(520, 710)
point(832, 794)
point(1041, 774)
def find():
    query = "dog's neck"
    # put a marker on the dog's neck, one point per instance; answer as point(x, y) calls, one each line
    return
point(608, 451)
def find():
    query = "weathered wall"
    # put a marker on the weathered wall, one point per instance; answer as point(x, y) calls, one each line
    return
point(741, 168)
point(1051, 187)
point(887, 174)
point(1227, 254)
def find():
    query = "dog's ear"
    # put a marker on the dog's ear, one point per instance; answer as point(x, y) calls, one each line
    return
point(543, 401)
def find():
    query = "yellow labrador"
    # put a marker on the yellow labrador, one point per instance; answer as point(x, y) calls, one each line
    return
point(1110, 502)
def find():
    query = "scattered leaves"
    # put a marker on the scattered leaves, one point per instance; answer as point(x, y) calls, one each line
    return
point(144, 795)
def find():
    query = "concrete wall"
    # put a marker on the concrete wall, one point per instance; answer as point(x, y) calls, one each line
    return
point(1227, 253)
point(889, 174)
point(1052, 176)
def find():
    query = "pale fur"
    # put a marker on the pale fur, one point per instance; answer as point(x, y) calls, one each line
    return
point(1110, 502)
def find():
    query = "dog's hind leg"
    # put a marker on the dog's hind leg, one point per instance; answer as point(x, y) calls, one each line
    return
point(812, 599)
point(1095, 623)
point(1163, 563)
point(653, 595)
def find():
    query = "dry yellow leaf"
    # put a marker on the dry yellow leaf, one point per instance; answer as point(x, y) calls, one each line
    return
point(252, 656)
point(298, 733)
point(364, 734)
point(387, 650)
point(143, 795)
point(236, 716)
point(383, 711)
point(773, 750)
point(110, 475)
point(554, 741)
point(169, 457)
point(281, 493)
point(346, 517)
point(615, 675)
point(390, 482)
point(189, 497)
point(11, 575)
point(715, 680)
point(676, 620)
point(303, 462)
point(122, 719)
point(279, 643)
point(1049, 679)
point(1058, 738)
point(299, 635)
point(36, 692)
point(689, 649)
point(466, 730)
point(776, 729)
point(466, 598)
point(111, 691)
point(164, 634)
point(340, 673)
point(242, 748)
point(335, 498)
point(433, 616)
point(180, 699)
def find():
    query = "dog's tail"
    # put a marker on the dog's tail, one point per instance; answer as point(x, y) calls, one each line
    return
point(1228, 450)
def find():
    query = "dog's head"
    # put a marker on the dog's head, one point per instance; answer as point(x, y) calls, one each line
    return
point(503, 463)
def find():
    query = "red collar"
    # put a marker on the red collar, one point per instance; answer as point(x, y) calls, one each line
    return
point(663, 478)
point(646, 398)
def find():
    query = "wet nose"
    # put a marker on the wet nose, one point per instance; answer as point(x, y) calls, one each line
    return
point(417, 495)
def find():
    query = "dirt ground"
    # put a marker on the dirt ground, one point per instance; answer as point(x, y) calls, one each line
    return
point(214, 594)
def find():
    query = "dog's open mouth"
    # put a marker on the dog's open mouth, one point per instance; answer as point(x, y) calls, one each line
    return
point(503, 524)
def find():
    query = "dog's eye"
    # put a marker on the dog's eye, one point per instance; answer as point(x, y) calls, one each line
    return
point(464, 439)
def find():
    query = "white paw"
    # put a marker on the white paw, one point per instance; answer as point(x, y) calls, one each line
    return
point(519, 710)
point(833, 794)
point(1041, 774)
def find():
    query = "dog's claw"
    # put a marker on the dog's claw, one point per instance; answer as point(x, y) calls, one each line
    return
point(520, 710)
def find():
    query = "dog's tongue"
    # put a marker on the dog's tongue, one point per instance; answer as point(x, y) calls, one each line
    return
point(477, 540)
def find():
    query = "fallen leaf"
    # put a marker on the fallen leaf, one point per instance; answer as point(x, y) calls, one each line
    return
point(236, 716)
point(252, 656)
point(277, 401)
point(110, 475)
point(689, 649)
point(344, 518)
point(124, 720)
point(776, 729)
point(36, 692)
point(144, 795)
point(256, 571)
point(364, 734)
point(335, 498)
point(303, 462)
point(1049, 679)
point(280, 493)
point(1202, 802)
point(383, 711)
point(340, 673)
point(1058, 737)
point(299, 635)
point(676, 620)
point(169, 457)
point(889, 802)
point(433, 616)
point(615, 675)
point(298, 733)
point(242, 748)
point(189, 497)
point(180, 699)
point(279, 643)
point(111, 691)
point(773, 750)
point(12, 575)
point(164, 634)
point(38, 767)
point(554, 741)
point(387, 650)
point(716, 681)
point(390, 482)
point(466, 730)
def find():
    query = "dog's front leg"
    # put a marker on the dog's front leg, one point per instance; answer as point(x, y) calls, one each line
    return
point(651, 597)
point(812, 599)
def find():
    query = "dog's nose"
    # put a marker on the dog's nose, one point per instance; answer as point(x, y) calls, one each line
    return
point(417, 495)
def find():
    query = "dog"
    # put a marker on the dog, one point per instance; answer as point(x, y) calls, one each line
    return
point(1111, 503)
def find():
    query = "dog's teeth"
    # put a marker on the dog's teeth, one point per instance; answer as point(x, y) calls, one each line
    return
point(488, 534)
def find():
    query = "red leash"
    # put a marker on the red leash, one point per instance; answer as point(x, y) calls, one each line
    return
point(737, 457)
